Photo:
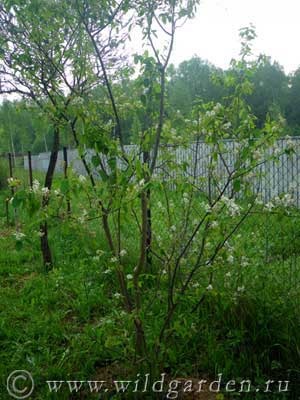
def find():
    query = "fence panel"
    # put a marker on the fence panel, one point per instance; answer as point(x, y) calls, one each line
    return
point(276, 177)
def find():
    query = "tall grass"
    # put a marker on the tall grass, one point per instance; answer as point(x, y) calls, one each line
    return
point(70, 320)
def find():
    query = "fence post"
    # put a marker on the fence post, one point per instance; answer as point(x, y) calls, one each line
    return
point(30, 169)
point(65, 154)
point(10, 171)
point(10, 163)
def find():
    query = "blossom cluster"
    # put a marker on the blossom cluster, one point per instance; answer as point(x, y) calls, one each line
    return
point(285, 201)
point(233, 208)
point(13, 182)
point(19, 235)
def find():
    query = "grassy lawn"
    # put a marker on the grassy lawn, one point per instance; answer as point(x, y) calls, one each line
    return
point(68, 324)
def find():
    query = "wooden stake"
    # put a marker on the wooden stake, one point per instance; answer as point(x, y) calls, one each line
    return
point(65, 153)
point(30, 169)
point(10, 171)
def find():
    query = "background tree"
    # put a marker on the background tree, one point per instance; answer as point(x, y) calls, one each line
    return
point(293, 102)
point(192, 80)
point(270, 89)
point(43, 59)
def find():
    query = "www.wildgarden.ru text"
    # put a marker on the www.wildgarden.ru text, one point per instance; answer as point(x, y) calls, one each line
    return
point(143, 384)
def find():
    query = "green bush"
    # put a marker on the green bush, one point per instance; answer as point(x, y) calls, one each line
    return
point(4, 173)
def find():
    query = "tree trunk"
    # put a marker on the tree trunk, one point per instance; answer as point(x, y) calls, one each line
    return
point(45, 247)
point(146, 160)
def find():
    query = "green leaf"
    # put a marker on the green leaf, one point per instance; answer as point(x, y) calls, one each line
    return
point(237, 185)
point(19, 199)
point(65, 186)
point(95, 161)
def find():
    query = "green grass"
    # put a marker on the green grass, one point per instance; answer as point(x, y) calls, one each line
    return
point(68, 324)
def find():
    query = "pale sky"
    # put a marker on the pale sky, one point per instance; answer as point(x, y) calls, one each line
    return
point(213, 34)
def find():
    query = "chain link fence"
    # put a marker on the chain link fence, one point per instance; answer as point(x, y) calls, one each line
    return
point(273, 178)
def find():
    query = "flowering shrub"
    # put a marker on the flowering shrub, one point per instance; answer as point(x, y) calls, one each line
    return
point(164, 240)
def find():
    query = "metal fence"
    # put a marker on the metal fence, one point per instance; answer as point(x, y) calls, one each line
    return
point(274, 177)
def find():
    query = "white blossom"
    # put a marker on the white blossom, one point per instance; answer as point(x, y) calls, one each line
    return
point(218, 107)
point(78, 101)
point(19, 235)
point(208, 245)
point(244, 262)
point(107, 271)
point(274, 129)
point(233, 208)
point(13, 182)
point(129, 276)
point(81, 178)
point(257, 155)
point(290, 145)
point(45, 191)
point(269, 206)
point(230, 259)
point(285, 201)
point(259, 202)
point(289, 142)
point(35, 186)
point(227, 125)
point(206, 207)
point(209, 287)
point(123, 253)
point(211, 113)
point(277, 151)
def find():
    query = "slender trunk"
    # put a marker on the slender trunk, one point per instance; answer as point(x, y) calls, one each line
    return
point(107, 230)
point(45, 247)
point(65, 153)
point(140, 344)
point(146, 159)
point(149, 229)
point(160, 120)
